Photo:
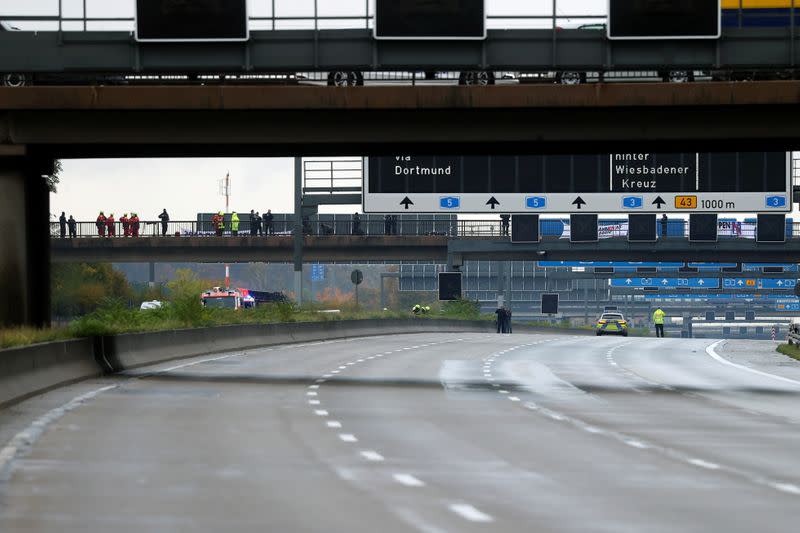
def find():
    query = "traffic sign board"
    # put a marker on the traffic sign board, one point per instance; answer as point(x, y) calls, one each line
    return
point(667, 283)
point(739, 283)
point(584, 183)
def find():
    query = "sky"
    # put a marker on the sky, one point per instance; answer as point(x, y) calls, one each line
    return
point(187, 186)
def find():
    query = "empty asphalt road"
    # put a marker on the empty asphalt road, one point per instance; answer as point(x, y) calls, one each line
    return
point(422, 432)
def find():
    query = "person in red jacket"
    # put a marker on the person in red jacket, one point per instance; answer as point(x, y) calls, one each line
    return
point(135, 225)
point(101, 224)
point(126, 225)
point(110, 225)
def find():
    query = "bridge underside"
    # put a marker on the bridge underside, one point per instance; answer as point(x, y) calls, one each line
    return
point(65, 122)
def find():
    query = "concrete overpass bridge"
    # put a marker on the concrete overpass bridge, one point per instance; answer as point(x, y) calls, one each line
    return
point(41, 124)
point(419, 248)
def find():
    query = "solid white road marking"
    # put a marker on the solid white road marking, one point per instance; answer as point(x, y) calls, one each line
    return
point(348, 437)
point(370, 455)
point(408, 480)
point(712, 352)
point(637, 444)
point(333, 424)
point(470, 513)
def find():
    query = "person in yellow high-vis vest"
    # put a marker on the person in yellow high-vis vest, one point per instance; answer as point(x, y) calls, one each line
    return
point(658, 320)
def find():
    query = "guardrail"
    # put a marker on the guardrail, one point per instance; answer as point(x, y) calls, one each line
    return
point(396, 226)
point(793, 336)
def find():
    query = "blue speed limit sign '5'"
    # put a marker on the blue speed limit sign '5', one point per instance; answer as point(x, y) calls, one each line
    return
point(536, 202)
point(450, 202)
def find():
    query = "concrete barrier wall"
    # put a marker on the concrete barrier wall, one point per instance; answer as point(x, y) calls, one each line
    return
point(35, 369)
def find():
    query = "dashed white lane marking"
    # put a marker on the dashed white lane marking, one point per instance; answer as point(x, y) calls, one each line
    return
point(370, 455)
point(408, 480)
point(311, 393)
point(787, 487)
point(342, 367)
point(711, 350)
point(470, 513)
point(321, 412)
point(503, 391)
point(315, 387)
point(348, 437)
point(313, 402)
point(704, 464)
point(326, 376)
point(513, 398)
point(333, 424)
point(335, 371)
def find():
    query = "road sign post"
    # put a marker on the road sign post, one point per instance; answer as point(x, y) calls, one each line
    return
point(357, 277)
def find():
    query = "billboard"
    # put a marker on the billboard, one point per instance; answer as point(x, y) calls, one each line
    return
point(664, 19)
point(430, 19)
point(191, 20)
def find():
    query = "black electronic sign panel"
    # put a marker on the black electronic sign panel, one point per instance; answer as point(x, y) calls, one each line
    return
point(191, 20)
point(771, 228)
point(525, 229)
point(664, 19)
point(450, 286)
point(624, 182)
point(642, 228)
point(583, 228)
point(430, 19)
point(703, 228)
point(549, 304)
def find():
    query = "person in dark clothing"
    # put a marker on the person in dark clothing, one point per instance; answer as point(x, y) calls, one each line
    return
point(387, 224)
point(164, 222)
point(508, 320)
point(73, 233)
point(62, 225)
point(252, 222)
point(101, 224)
point(504, 223)
point(664, 225)
point(501, 319)
point(307, 230)
point(357, 225)
point(269, 228)
point(259, 230)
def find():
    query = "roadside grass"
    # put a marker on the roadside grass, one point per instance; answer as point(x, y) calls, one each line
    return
point(789, 350)
point(12, 337)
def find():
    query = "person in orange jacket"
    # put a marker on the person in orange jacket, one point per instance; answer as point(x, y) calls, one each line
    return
point(101, 224)
point(126, 225)
point(110, 225)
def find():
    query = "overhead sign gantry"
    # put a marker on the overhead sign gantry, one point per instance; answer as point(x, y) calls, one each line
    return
point(664, 19)
point(732, 182)
point(192, 21)
point(430, 19)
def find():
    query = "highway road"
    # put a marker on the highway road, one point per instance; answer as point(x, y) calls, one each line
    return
point(421, 432)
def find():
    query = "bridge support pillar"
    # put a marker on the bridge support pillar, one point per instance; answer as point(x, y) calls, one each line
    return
point(24, 242)
point(298, 230)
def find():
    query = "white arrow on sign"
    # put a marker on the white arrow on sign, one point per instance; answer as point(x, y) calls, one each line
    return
point(740, 283)
point(664, 282)
point(629, 281)
point(701, 282)
point(780, 284)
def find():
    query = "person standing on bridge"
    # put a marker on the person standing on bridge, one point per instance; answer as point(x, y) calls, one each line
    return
point(658, 320)
point(134, 225)
point(269, 228)
point(111, 225)
point(504, 223)
point(62, 224)
point(234, 224)
point(126, 225)
point(357, 224)
point(73, 233)
point(101, 224)
point(664, 225)
point(259, 225)
point(164, 216)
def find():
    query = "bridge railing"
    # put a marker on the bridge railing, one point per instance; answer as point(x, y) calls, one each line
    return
point(400, 226)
